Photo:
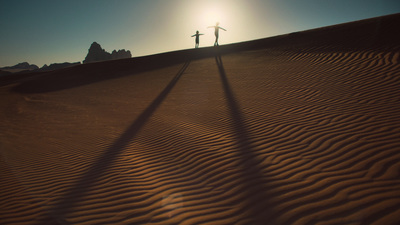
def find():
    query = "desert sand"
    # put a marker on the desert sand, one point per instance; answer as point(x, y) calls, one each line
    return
point(302, 128)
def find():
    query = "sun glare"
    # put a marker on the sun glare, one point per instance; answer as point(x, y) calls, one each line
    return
point(201, 15)
point(212, 15)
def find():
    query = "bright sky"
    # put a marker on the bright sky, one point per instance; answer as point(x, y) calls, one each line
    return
point(54, 31)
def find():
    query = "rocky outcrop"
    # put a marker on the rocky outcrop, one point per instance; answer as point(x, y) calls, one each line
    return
point(96, 54)
point(26, 67)
point(56, 66)
point(21, 67)
point(121, 54)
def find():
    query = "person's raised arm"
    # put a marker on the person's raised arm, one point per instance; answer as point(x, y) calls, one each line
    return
point(222, 28)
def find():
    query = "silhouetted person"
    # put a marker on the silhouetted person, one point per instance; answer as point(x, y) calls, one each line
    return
point(216, 32)
point(197, 35)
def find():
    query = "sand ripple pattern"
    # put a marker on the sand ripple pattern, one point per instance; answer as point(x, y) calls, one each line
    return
point(270, 136)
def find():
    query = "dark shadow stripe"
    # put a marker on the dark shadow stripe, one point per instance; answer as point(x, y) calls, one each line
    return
point(257, 200)
point(78, 190)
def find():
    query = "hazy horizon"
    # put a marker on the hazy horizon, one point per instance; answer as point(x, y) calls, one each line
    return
point(44, 32)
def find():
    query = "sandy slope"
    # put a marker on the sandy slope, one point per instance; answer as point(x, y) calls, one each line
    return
point(288, 130)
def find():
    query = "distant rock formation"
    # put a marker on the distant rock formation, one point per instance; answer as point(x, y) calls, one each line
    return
point(121, 54)
point(96, 53)
point(26, 67)
point(56, 66)
point(20, 67)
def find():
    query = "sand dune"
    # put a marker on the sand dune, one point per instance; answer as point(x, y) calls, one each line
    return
point(301, 128)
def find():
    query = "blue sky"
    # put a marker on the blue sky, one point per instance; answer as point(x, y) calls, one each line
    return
point(54, 31)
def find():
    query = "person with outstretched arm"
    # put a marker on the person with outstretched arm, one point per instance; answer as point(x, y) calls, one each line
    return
point(216, 32)
point(197, 35)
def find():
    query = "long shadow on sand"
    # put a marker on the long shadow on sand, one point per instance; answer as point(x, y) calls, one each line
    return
point(253, 181)
point(77, 191)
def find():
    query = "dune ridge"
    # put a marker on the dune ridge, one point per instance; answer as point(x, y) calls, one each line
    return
point(302, 128)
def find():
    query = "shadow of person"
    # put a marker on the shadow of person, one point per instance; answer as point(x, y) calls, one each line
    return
point(253, 180)
point(77, 191)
